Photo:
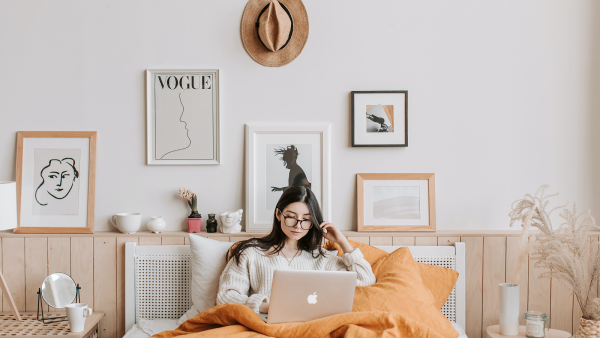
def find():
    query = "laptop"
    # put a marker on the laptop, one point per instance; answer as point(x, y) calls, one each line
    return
point(303, 295)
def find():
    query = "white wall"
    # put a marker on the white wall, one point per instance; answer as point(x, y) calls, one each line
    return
point(502, 95)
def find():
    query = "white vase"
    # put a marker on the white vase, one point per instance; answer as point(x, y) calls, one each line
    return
point(509, 309)
point(156, 224)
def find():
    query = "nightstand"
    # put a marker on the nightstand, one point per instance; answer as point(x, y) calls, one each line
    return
point(30, 327)
point(494, 332)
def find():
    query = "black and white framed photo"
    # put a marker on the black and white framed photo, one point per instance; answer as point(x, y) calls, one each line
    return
point(56, 181)
point(380, 118)
point(182, 111)
point(282, 155)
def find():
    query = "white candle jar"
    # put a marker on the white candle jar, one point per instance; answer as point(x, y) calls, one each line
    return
point(535, 324)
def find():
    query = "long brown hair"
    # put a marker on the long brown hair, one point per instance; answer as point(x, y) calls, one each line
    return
point(312, 241)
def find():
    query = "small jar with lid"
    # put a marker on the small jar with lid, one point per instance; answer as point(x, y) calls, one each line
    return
point(535, 323)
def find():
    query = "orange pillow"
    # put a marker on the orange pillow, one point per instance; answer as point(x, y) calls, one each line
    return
point(399, 288)
point(438, 280)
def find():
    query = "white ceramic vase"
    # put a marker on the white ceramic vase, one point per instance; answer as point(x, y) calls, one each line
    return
point(157, 224)
point(509, 309)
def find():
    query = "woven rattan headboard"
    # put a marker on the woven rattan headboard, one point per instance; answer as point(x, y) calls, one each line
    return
point(157, 279)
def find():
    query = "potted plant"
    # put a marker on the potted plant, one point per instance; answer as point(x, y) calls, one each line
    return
point(565, 251)
point(194, 219)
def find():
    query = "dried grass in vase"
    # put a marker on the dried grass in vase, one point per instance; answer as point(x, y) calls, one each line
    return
point(566, 250)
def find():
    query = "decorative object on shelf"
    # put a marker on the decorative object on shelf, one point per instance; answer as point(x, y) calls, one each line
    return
point(195, 218)
point(76, 315)
point(380, 118)
point(274, 32)
point(535, 323)
point(230, 221)
point(565, 252)
point(395, 202)
point(182, 117)
point(509, 309)
point(211, 223)
point(58, 290)
point(127, 222)
point(8, 220)
point(588, 328)
point(56, 181)
point(280, 155)
point(156, 224)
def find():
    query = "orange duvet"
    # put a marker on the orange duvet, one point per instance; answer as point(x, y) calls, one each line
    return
point(239, 321)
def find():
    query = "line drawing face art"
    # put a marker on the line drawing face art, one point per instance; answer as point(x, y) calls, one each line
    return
point(187, 132)
point(58, 178)
point(297, 177)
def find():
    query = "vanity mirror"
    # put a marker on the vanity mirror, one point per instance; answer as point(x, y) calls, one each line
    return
point(58, 290)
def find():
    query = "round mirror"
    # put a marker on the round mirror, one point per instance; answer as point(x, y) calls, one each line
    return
point(59, 290)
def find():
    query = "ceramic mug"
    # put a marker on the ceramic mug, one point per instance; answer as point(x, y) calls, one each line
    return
point(127, 223)
point(76, 314)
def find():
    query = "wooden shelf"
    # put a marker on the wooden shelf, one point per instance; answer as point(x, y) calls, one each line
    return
point(348, 233)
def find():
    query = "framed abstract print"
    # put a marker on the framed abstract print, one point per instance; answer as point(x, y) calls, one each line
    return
point(279, 156)
point(56, 181)
point(380, 118)
point(182, 117)
point(395, 202)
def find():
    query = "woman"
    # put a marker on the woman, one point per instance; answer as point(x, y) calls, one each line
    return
point(295, 242)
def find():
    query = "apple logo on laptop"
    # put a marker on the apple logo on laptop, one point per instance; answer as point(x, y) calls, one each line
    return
point(312, 299)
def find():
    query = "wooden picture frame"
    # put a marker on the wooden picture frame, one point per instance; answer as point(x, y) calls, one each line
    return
point(72, 190)
point(395, 202)
point(386, 121)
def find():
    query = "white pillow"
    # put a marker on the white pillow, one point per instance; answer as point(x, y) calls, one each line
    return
point(207, 262)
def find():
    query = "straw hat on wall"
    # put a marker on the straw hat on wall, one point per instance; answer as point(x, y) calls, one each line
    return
point(274, 32)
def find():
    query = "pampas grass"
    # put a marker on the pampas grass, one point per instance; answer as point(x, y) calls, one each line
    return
point(565, 250)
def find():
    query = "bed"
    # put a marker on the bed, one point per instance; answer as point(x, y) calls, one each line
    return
point(157, 284)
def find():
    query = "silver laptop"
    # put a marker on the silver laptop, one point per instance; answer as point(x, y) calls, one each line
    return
point(303, 295)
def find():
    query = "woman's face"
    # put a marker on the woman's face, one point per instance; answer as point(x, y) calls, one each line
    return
point(297, 210)
point(58, 179)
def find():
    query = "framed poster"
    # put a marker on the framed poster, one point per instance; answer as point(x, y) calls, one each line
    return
point(395, 202)
point(380, 118)
point(182, 114)
point(56, 181)
point(282, 155)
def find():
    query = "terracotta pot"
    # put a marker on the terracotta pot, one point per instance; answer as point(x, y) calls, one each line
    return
point(194, 225)
point(588, 329)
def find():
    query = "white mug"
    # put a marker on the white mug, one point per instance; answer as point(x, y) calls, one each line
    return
point(76, 314)
point(126, 222)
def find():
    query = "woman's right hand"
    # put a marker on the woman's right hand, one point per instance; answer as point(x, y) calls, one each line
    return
point(264, 307)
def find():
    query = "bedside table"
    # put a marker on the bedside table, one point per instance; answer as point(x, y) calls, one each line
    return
point(30, 327)
point(494, 332)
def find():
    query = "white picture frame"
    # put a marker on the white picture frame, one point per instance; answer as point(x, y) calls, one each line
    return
point(176, 135)
point(266, 143)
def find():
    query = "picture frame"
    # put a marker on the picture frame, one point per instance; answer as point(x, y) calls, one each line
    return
point(56, 181)
point(395, 202)
point(277, 154)
point(379, 118)
point(183, 117)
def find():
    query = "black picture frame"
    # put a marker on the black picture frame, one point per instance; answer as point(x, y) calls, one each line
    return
point(354, 117)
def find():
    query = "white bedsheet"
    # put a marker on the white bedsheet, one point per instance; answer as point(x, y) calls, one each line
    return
point(148, 327)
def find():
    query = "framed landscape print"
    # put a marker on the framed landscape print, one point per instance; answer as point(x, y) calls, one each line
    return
point(282, 155)
point(56, 180)
point(380, 118)
point(395, 202)
point(182, 114)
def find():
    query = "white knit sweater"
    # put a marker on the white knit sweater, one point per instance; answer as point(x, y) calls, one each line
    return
point(250, 282)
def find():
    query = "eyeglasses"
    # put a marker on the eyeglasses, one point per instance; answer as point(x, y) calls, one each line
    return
point(291, 222)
